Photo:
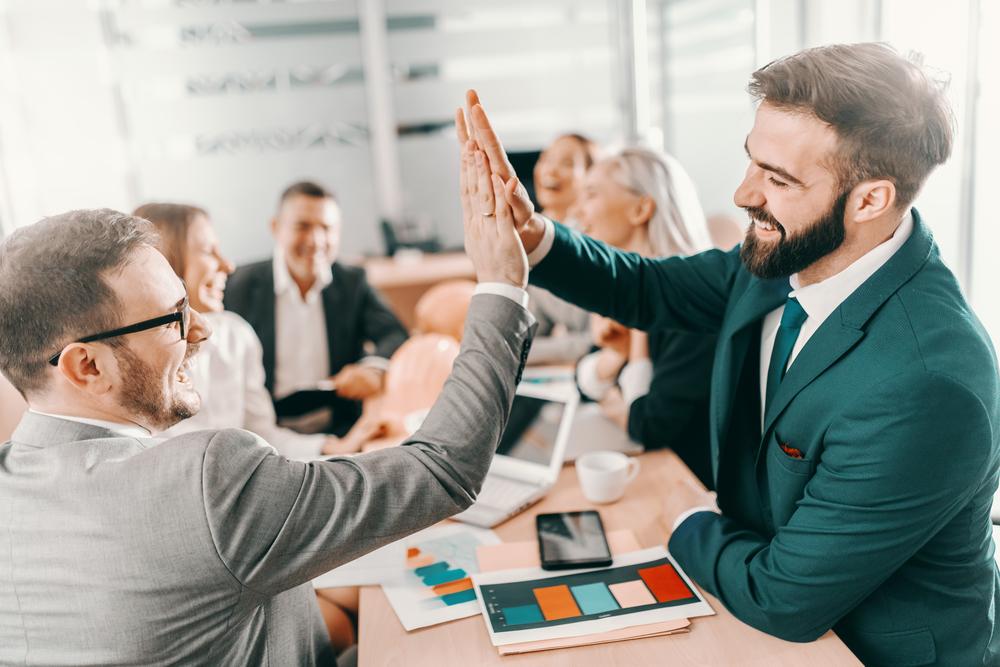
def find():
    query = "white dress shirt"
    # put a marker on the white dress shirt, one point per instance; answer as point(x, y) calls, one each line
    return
point(228, 373)
point(818, 300)
point(302, 356)
point(634, 380)
point(515, 294)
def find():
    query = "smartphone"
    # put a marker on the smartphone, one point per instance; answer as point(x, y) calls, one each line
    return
point(568, 540)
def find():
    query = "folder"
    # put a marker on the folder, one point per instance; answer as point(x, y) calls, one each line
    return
point(514, 555)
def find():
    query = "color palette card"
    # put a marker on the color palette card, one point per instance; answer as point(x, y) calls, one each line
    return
point(436, 584)
point(640, 588)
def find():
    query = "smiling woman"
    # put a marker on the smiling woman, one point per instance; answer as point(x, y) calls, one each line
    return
point(229, 373)
point(188, 241)
point(562, 336)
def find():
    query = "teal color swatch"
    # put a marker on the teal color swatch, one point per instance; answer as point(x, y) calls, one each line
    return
point(529, 613)
point(594, 598)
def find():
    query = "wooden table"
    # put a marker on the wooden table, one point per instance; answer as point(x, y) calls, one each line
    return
point(715, 640)
point(403, 281)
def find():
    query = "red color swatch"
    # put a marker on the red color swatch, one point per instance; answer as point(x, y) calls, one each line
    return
point(665, 584)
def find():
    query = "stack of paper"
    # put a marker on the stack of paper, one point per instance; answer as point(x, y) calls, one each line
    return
point(643, 594)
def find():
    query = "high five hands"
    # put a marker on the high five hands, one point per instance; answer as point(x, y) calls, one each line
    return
point(501, 226)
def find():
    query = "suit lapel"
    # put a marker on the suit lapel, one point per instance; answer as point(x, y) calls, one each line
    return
point(759, 298)
point(332, 306)
point(830, 342)
point(265, 297)
point(845, 326)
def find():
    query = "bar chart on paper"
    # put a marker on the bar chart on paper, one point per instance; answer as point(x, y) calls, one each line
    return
point(437, 585)
point(539, 603)
point(443, 567)
point(641, 589)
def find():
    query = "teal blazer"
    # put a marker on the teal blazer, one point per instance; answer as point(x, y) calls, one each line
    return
point(881, 530)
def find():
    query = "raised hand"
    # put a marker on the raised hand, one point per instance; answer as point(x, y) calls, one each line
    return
point(529, 224)
point(491, 240)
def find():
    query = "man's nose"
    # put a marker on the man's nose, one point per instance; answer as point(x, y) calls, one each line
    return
point(225, 265)
point(749, 192)
point(312, 240)
point(199, 329)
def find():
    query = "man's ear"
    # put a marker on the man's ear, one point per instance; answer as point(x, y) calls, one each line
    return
point(642, 211)
point(87, 367)
point(871, 199)
point(274, 227)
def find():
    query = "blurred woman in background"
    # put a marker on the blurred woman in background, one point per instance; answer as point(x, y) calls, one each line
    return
point(229, 371)
point(563, 335)
point(654, 386)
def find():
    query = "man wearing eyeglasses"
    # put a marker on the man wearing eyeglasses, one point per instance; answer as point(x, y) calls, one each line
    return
point(117, 548)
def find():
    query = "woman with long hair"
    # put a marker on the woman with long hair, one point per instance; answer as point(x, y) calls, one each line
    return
point(654, 386)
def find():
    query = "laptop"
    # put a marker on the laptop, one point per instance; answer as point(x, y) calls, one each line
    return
point(530, 455)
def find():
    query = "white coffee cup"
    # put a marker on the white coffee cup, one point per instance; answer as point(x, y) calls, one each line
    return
point(604, 475)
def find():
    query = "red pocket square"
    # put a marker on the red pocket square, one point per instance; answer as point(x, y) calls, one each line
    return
point(791, 451)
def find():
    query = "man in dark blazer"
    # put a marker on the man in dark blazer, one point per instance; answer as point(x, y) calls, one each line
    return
point(854, 412)
point(314, 316)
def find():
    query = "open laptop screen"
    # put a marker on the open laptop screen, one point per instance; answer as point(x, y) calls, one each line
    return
point(532, 430)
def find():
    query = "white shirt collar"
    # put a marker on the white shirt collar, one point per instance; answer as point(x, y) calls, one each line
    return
point(128, 430)
point(283, 281)
point(822, 298)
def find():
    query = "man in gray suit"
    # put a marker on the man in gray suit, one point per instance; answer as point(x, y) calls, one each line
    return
point(118, 549)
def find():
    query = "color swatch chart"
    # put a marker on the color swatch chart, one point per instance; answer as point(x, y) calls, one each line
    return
point(540, 603)
point(443, 565)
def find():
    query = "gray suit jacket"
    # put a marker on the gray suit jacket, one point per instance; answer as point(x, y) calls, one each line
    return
point(200, 549)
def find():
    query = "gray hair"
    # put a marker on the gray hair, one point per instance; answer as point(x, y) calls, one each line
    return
point(678, 225)
point(53, 289)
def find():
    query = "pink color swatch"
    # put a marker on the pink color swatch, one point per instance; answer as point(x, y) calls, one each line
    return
point(631, 594)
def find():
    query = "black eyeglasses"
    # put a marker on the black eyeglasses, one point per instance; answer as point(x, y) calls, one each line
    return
point(183, 316)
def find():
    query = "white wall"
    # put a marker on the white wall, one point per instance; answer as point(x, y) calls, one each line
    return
point(60, 127)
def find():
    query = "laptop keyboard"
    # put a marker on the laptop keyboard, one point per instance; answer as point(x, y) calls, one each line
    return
point(502, 492)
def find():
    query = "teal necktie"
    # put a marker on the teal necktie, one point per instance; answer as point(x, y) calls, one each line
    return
point(784, 341)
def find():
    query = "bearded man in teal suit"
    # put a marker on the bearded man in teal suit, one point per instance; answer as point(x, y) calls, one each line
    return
point(854, 405)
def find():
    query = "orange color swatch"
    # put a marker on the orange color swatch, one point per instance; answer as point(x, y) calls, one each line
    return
point(556, 602)
point(453, 587)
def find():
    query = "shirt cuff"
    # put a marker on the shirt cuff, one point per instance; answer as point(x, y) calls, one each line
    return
point(515, 294)
point(635, 379)
point(378, 363)
point(688, 513)
point(586, 378)
point(543, 247)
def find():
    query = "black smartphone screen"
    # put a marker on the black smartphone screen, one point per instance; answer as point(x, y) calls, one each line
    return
point(572, 539)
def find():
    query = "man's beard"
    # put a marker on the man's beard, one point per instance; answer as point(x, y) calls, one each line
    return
point(142, 393)
point(793, 253)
